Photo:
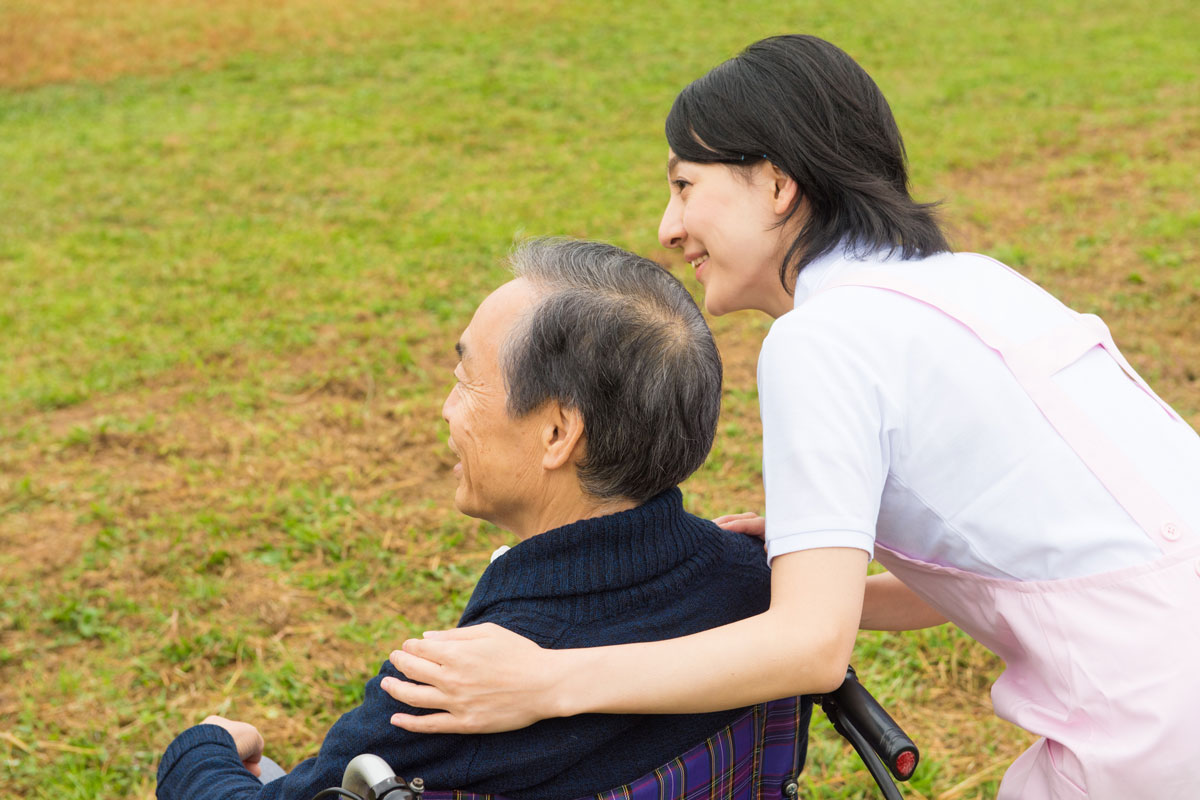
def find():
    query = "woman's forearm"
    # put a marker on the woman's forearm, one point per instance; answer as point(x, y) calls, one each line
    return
point(889, 605)
point(737, 665)
point(800, 646)
point(486, 679)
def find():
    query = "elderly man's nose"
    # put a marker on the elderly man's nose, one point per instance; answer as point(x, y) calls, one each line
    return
point(670, 230)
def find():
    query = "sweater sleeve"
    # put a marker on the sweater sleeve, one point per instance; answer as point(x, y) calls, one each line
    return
point(202, 762)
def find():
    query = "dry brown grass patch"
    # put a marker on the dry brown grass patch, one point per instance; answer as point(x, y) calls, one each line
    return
point(59, 41)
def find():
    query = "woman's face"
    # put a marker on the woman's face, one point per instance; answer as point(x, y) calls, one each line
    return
point(726, 222)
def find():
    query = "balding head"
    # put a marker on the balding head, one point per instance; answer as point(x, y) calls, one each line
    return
point(618, 338)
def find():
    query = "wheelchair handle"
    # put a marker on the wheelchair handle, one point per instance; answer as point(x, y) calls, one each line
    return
point(853, 710)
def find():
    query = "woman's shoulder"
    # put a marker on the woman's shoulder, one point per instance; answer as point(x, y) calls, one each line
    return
point(849, 322)
point(889, 305)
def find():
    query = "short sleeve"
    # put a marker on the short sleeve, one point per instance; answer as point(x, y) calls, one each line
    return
point(825, 417)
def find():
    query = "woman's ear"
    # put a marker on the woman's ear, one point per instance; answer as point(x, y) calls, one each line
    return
point(786, 190)
point(562, 436)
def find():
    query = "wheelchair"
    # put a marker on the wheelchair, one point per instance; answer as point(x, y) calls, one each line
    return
point(770, 733)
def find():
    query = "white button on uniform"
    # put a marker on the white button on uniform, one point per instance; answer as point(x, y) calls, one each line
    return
point(1170, 531)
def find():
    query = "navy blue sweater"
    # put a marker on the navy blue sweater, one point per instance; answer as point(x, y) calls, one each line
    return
point(654, 572)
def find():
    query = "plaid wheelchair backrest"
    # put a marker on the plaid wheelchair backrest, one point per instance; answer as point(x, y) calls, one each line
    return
point(752, 759)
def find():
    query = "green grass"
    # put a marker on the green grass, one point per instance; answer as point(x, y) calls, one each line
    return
point(228, 300)
point(158, 223)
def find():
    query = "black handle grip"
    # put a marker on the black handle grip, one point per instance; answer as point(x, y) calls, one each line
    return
point(852, 703)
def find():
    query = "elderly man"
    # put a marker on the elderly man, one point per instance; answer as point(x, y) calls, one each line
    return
point(588, 388)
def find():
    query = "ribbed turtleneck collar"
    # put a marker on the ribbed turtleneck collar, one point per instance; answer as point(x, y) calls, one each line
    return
point(582, 563)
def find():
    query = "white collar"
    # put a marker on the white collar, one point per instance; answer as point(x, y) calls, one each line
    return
point(820, 271)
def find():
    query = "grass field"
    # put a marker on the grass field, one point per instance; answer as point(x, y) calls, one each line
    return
point(237, 243)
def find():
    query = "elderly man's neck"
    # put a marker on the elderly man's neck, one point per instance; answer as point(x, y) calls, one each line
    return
point(564, 509)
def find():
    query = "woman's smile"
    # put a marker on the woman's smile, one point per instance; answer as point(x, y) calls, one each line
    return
point(727, 223)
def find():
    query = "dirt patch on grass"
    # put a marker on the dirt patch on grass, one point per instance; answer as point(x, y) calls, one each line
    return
point(59, 41)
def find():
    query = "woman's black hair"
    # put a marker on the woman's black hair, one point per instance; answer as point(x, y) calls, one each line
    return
point(813, 112)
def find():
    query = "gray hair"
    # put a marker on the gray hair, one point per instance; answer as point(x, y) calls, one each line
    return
point(618, 338)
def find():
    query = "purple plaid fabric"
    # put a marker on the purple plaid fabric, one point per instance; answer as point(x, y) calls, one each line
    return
point(751, 759)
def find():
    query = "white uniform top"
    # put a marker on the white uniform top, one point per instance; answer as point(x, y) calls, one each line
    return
point(883, 416)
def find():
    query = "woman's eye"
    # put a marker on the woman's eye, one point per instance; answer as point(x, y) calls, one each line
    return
point(680, 184)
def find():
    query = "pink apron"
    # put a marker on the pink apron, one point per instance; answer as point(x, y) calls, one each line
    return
point(1106, 668)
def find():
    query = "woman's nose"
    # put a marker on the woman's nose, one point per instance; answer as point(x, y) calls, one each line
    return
point(670, 230)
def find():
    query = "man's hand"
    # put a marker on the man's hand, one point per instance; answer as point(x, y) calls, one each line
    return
point(246, 737)
point(747, 522)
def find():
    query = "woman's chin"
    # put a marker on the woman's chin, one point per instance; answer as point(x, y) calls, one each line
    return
point(715, 305)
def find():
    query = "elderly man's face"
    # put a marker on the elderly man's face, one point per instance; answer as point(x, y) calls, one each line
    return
point(500, 457)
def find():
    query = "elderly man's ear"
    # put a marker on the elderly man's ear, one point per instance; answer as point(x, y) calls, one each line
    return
point(562, 436)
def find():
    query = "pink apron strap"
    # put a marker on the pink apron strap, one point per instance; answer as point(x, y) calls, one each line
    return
point(1034, 365)
point(1066, 344)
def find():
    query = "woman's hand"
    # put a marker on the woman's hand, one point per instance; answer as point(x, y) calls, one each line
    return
point(747, 522)
point(486, 679)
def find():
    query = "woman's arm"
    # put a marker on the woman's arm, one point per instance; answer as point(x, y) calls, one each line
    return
point(889, 605)
point(488, 680)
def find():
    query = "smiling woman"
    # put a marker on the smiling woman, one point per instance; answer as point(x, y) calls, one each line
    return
point(936, 410)
point(784, 115)
point(725, 220)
